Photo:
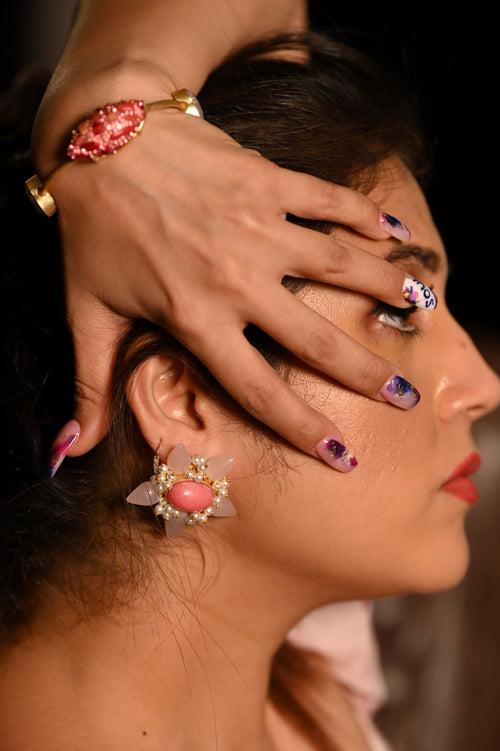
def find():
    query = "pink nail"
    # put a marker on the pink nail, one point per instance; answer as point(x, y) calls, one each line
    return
point(394, 226)
point(400, 392)
point(336, 454)
point(66, 437)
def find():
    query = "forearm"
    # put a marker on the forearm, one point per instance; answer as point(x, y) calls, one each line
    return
point(184, 39)
point(148, 48)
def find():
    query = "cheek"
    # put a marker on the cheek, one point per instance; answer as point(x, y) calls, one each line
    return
point(381, 529)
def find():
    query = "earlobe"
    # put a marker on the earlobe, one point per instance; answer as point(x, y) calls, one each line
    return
point(163, 394)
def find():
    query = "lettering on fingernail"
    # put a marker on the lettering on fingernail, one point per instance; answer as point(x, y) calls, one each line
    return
point(419, 294)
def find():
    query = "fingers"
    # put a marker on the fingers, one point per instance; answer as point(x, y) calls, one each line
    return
point(325, 347)
point(311, 197)
point(249, 378)
point(314, 255)
point(95, 329)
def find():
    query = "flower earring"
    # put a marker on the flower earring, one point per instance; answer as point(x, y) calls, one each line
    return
point(187, 489)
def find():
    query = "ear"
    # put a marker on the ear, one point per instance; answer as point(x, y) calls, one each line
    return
point(170, 405)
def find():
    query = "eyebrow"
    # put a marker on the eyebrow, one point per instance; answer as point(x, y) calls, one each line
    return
point(427, 258)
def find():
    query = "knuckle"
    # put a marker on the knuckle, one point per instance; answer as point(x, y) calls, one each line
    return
point(384, 278)
point(261, 178)
point(253, 161)
point(258, 397)
point(328, 195)
point(185, 328)
point(371, 373)
point(254, 153)
point(366, 208)
point(85, 392)
point(317, 344)
point(338, 261)
point(179, 314)
point(241, 209)
point(389, 282)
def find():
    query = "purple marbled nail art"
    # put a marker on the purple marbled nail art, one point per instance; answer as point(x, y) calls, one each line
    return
point(336, 454)
point(394, 226)
point(66, 437)
point(400, 392)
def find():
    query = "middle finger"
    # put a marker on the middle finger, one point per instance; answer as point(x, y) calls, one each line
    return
point(314, 255)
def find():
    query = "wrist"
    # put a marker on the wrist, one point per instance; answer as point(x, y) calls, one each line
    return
point(64, 106)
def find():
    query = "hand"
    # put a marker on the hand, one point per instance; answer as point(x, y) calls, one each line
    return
point(144, 232)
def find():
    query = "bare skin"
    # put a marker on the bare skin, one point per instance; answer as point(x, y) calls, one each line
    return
point(159, 259)
point(304, 536)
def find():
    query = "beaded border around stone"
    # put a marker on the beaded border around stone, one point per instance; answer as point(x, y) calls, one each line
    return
point(186, 489)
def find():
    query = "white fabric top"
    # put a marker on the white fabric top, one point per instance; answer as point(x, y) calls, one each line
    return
point(343, 633)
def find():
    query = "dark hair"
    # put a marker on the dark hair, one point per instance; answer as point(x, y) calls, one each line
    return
point(336, 116)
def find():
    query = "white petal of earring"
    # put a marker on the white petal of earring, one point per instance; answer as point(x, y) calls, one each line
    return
point(187, 489)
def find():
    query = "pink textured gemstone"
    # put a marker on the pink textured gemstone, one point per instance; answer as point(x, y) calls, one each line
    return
point(190, 495)
point(106, 130)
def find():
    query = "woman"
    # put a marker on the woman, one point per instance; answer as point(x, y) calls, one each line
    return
point(116, 636)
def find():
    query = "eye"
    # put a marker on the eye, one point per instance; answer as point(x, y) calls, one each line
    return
point(397, 318)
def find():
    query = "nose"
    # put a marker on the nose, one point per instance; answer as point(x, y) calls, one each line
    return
point(469, 386)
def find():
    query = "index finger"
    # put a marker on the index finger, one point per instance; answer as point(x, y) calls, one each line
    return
point(311, 197)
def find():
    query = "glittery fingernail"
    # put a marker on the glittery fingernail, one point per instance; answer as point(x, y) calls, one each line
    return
point(419, 294)
point(400, 392)
point(394, 226)
point(336, 454)
point(66, 437)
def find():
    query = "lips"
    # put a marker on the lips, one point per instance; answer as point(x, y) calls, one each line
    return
point(458, 482)
point(467, 467)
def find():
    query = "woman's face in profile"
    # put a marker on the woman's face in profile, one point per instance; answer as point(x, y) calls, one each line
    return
point(387, 526)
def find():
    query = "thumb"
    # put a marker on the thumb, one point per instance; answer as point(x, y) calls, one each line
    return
point(95, 329)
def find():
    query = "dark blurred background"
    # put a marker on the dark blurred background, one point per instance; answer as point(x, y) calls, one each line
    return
point(451, 57)
point(441, 653)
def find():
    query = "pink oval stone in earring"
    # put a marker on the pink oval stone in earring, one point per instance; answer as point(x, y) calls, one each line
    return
point(190, 496)
point(187, 489)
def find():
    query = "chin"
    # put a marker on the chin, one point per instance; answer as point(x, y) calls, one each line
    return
point(438, 564)
point(443, 568)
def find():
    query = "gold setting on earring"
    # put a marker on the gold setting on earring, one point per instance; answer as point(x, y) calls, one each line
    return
point(186, 489)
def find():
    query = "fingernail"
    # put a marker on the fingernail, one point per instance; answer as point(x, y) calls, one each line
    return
point(400, 392)
point(336, 454)
point(419, 294)
point(66, 437)
point(394, 226)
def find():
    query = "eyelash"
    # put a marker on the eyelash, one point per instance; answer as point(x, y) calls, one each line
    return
point(394, 312)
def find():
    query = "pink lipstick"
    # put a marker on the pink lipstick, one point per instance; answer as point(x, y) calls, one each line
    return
point(458, 482)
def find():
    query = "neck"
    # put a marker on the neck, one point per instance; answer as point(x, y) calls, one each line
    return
point(187, 668)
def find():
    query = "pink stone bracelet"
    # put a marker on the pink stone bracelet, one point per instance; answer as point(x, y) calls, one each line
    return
point(103, 132)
